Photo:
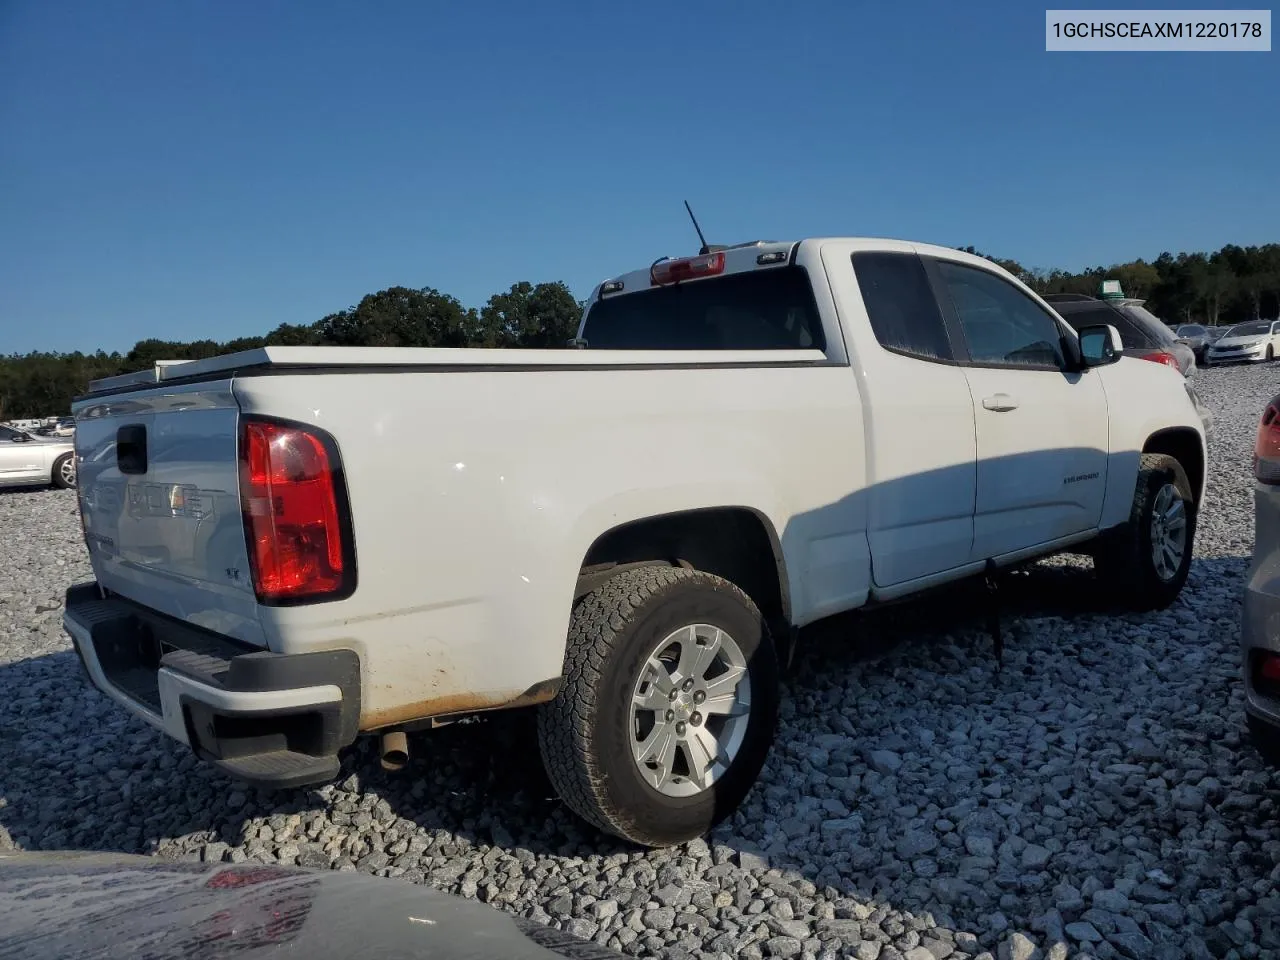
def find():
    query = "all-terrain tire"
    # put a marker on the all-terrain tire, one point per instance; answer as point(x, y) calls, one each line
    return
point(64, 472)
point(1125, 560)
point(586, 733)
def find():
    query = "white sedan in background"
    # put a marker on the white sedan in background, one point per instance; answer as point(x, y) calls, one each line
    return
point(27, 459)
point(1255, 340)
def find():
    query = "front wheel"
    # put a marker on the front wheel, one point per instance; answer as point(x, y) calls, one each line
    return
point(1146, 562)
point(1271, 354)
point(668, 708)
point(64, 471)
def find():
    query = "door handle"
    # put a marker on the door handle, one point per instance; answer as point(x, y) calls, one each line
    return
point(1000, 402)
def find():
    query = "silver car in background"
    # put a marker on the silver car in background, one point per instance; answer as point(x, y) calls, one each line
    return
point(28, 460)
point(1257, 340)
point(1260, 625)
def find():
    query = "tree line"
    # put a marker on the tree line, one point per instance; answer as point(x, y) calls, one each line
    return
point(1232, 285)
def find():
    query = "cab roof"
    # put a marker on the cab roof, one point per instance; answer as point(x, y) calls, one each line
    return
point(718, 260)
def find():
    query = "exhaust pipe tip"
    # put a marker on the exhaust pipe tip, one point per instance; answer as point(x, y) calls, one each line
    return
point(395, 750)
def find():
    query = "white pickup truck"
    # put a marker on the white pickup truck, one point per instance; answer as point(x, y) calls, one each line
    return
point(295, 546)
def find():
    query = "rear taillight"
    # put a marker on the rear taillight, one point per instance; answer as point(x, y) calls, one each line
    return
point(1266, 450)
point(1269, 667)
point(1266, 673)
point(1162, 356)
point(688, 268)
point(294, 508)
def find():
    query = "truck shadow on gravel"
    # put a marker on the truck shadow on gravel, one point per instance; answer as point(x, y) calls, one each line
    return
point(112, 783)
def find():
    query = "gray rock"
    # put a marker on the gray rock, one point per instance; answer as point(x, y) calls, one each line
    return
point(1188, 798)
point(797, 929)
point(886, 761)
point(1113, 901)
point(1035, 857)
point(663, 918)
point(783, 947)
point(1018, 947)
point(915, 843)
point(1170, 914)
point(1083, 932)
point(979, 846)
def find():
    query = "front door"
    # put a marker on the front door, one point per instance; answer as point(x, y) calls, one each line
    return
point(1042, 431)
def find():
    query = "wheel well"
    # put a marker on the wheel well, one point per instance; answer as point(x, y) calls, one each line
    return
point(1183, 444)
point(735, 543)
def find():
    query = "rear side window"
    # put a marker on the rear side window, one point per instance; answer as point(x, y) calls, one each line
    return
point(760, 310)
point(1144, 320)
point(900, 303)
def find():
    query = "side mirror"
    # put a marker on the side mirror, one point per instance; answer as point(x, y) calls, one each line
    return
point(1100, 345)
point(20, 438)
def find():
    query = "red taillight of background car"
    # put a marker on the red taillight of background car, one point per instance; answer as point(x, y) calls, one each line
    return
point(1266, 449)
point(294, 508)
point(1162, 356)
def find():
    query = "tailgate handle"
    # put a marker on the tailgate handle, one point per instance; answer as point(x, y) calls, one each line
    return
point(131, 448)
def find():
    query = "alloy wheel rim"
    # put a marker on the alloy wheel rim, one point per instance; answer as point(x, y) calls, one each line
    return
point(690, 708)
point(1168, 532)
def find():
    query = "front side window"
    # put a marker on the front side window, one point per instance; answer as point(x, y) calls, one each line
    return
point(7, 434)
point(900, 304)
point(757, 310)
point(1002, 325)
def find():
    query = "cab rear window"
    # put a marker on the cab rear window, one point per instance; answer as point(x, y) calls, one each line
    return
point(759, 310)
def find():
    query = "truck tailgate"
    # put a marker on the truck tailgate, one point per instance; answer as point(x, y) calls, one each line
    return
point(159, 493)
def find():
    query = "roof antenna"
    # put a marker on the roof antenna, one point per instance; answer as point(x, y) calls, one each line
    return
point(701, 239)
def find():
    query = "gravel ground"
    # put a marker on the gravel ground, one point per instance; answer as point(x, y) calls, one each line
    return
point(1095, 797)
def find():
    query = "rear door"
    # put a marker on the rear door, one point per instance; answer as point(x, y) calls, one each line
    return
point(918, 415)
point(1042, 431)
point(159, 491)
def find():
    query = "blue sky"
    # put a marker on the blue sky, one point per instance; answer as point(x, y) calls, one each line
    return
point(216, 168)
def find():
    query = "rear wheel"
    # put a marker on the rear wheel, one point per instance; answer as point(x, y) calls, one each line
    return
point(668, 707)
point(1146, 562)
point(64, 471)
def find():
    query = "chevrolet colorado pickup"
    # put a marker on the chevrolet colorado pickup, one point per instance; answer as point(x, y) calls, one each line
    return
point(295, 546)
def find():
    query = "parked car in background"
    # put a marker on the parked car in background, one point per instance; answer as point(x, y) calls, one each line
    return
point(1257, 340)
point(1144, 336)
point(1194, 336)
point(1260, 624)
point(26, 459)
